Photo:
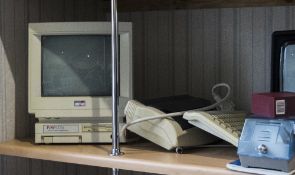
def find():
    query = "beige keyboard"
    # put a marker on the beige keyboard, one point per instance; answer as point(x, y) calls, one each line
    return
point(225, 125)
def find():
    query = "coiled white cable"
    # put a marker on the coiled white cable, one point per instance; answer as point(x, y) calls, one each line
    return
point(174, 114)
point(227, 105)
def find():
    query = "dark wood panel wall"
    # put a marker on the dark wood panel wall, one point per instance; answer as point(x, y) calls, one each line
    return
point(147, 5)
point(22, 166)
point(188, 51)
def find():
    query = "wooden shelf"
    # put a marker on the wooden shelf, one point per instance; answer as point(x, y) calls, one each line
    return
point(144, 5)
point(144, 157)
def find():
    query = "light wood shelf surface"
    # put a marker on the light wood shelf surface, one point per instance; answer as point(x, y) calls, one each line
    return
point(143, 157)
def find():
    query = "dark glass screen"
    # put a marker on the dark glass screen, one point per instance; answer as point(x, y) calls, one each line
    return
point(76, 65)
point(288, 68)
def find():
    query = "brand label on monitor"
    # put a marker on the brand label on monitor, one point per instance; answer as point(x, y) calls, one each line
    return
point(58, 128)
point(280, 107)
point(79, 103)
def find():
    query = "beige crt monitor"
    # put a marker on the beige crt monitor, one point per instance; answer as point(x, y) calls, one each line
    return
point(65, 106)
point(70, 78)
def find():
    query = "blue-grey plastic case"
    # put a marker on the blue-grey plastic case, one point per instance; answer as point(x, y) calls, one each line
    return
point(267, 144)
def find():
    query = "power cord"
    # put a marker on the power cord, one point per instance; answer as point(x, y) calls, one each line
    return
point(227, 105)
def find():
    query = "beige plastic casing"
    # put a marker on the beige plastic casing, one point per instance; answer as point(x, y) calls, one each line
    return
point(44, 107)
point(206, 122)
point(166, 133)
point(75, 133)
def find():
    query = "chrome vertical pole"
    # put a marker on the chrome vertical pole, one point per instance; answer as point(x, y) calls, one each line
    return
point(115, 130)
point(115, 171)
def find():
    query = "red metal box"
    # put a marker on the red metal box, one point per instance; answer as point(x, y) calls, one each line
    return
point(274, 104)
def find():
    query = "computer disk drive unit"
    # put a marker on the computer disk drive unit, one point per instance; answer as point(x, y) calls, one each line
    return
point(49, 133)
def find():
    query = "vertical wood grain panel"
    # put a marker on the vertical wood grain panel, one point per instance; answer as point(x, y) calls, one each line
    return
point(139, 82)
point(50, 168)
point(69, 10)
point(23, 166)
point(33, 10)
point(197, 52)
point(52, 10)
point(267, 47)
point(87, 170)
point(165, 62)
point(36, 167)
point(2, 79)
point(10, 66)
point(279, 19)
point(227, 47)
point(180, 53)
point(1, 165)
point(150, 39)
point(20, 49)
point(289, 19)
point(259, 28)
point(236, 61)
point(9, 166)
point(71, 169)
point(246, 56)
point(104, 171)
point(210, 51)
point(86, 10)
point(100, 10)
point(292, 18)
point(189, 51)
point(124, 17)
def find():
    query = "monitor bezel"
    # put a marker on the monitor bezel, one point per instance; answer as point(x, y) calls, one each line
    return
point(65, 106)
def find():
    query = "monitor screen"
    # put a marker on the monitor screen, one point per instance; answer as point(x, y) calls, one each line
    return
point(76, 65)
point(288, 68)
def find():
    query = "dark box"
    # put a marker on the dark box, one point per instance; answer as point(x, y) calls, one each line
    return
point(274, 104)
